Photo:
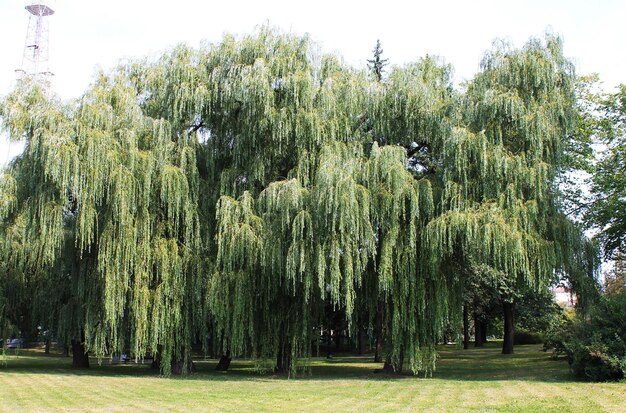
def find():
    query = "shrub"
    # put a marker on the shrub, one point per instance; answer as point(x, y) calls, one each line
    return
point(595, 363)
point(561, 330)
point(596, 347)
point(527, 337)
point(556, 337)
point(540, 319)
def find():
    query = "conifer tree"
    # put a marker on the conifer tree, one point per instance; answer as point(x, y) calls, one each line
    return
point(377, 64)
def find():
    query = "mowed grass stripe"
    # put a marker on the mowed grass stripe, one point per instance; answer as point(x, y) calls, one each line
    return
point(610, 396)
point(475, 380)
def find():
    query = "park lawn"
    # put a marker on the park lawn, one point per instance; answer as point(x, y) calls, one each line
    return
point(475, 380)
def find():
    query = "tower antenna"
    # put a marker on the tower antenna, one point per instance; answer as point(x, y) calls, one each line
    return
point(36, 48)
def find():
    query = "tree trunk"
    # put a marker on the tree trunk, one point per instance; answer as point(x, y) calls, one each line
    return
point(478, 334)
point(393, 368)
point(329, 341)
point(466, 336)
point(337, 340)
point(483, 331)
point(66, 350)
point(283, 361)
point(361, 340)
point(224, 362)
point(80, 358)
point(509, 328)
point(156, 358)
point(179, 367)
point(389, 368)
point(47, 346)
point(378, 355)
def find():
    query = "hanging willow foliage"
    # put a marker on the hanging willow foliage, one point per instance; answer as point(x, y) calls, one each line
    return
point(244, 187)
point(319, 226)
point(401, 205)
point(124, 189)
point(499, 200)
point(33, 224)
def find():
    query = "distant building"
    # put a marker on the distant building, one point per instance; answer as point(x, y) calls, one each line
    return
point(564, 297)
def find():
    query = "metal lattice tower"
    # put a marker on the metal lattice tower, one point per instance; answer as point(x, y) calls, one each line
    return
point(36, 49)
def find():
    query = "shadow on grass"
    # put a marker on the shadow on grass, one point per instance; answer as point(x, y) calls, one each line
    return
point(528, 363)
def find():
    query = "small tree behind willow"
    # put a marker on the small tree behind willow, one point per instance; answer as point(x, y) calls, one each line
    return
point(615, 280)
point(608, 204)
point(377, 64)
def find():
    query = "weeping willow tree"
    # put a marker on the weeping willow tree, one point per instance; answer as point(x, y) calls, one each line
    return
point(34, 203)
point(246, 187)
point(500, 203)
point(412, 109)
point(108, 215)
point(341, 230)
point(274, 105)
point(344, 231)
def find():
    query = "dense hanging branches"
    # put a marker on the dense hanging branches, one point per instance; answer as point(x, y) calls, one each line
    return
point(500, 201)
point(243, 189)
point(111, 204)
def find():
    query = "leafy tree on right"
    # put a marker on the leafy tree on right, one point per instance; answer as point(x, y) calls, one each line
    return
point(607, 212)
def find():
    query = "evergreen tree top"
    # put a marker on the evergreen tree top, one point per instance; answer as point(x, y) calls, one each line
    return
point(377, 63)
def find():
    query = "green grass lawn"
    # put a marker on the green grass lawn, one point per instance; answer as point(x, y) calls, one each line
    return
point(475, 380)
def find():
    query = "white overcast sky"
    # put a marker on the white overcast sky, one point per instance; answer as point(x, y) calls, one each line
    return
point(85, 34)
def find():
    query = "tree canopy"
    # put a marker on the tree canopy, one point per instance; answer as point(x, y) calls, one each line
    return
point(607, 212)
point(239, 189)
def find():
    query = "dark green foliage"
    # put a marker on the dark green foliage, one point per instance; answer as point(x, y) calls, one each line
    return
point(603, 120)
point(377, 63)
point(615, 280)
point(537, 312)
point(596, 343)
point(609, 178)
point(523, 337)
point(554, 338)
point(538, 317)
